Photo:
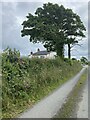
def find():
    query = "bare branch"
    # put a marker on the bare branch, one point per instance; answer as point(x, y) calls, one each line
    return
point(74, 49)
point(76, 44)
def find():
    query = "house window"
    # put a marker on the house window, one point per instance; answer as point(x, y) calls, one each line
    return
point(41, 56)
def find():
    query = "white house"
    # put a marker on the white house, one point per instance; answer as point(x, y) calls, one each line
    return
point(43, 54)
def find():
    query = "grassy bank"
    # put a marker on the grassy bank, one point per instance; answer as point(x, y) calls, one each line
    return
point(69, 109)
point(26, 81)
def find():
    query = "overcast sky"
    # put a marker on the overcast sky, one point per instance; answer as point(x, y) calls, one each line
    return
point(14, 13)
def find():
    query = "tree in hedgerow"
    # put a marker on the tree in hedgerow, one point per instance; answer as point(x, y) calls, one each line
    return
point(74, 30)
point(84, 60)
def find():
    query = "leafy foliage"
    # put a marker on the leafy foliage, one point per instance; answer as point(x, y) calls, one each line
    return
point(54, 26)
point(25, 81)
point(84, 60)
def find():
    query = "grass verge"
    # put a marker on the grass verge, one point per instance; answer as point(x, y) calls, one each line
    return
point(69, 108)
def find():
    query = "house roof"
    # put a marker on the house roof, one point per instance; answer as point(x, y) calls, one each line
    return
point(41, 53)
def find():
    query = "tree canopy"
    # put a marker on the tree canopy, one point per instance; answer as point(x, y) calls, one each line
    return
point(54, 26)
point(84, 60)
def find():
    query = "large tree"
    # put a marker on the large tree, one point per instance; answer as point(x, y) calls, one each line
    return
point(74, 30)
point(46, 27)
point(52, 25)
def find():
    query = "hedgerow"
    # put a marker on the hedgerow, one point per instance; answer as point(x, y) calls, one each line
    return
point(25, 80)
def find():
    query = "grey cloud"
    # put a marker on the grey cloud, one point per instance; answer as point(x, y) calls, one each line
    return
point(83, 12)
point(8, 24)
point(11, 31)
point(23, 8)
point(0, 26)
point(8, 18)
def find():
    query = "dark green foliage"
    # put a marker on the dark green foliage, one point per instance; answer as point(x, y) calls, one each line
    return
point(54, 26)
point(84, 60)
point(25, 81)
point(74, 59)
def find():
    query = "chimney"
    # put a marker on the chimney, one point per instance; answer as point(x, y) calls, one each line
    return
point(38, 50)
point(31, 53)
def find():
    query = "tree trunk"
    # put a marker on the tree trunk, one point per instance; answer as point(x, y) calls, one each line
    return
point(69, 51)
point(60, 50)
